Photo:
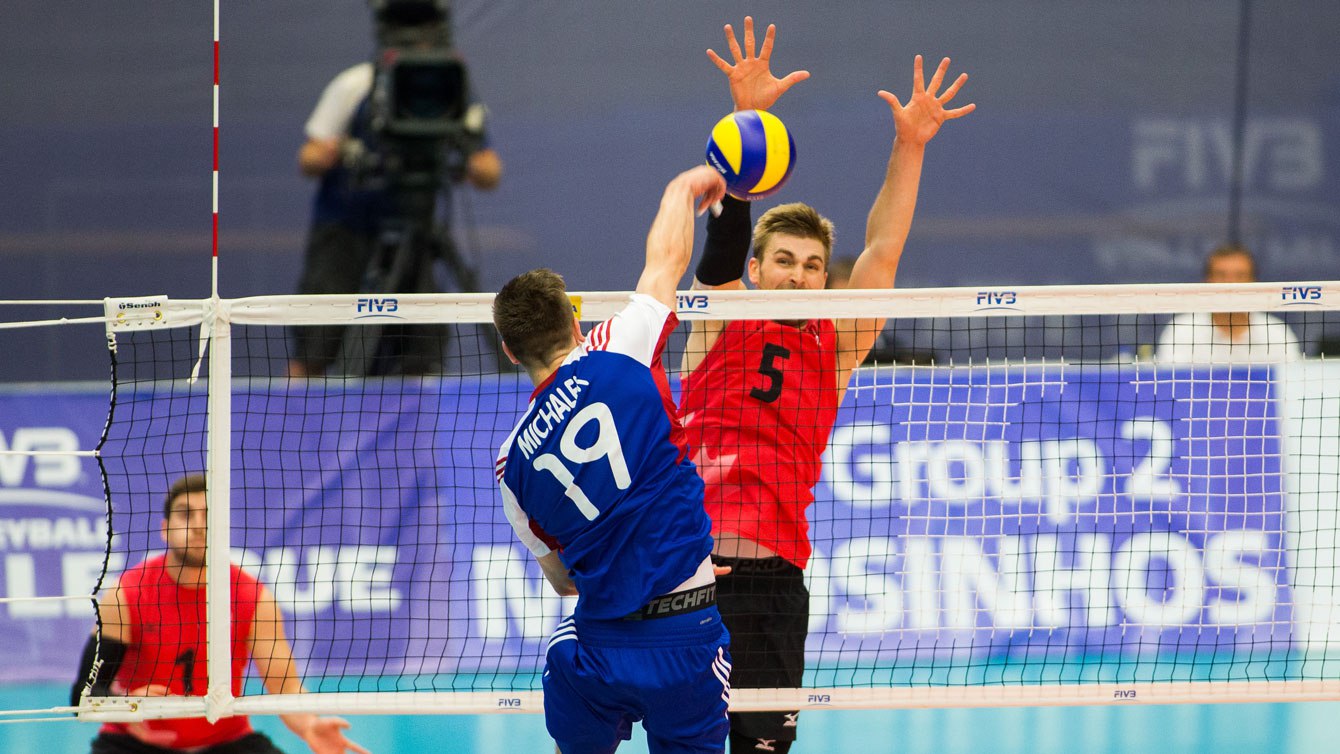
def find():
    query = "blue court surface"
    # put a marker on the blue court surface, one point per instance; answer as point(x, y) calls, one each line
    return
point(1221, 729)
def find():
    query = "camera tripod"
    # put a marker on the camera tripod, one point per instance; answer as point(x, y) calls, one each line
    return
point(409, 243)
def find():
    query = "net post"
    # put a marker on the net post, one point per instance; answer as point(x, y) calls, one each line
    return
point(218, 471)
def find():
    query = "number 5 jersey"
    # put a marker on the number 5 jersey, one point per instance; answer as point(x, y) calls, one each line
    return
point(757, 412)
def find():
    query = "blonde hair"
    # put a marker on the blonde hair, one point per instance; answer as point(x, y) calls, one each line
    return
point(795, 219)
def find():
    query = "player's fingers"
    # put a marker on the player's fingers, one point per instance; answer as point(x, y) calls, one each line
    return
point(892, 100)
point(716, 59)
point(766, 50)
point(721, 570)
point(355, 747)
point(938, 77)
point(734, 45)
point(749, 37)
point(918, 80)
point(959, 112)
point(953, 88)
point(793, 78)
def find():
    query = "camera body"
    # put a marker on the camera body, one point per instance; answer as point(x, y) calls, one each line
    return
point(419, 109)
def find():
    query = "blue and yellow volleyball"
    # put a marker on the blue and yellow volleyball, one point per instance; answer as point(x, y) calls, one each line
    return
point(754, 151)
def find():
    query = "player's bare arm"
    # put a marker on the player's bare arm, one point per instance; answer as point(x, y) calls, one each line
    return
point(114, 616)
point(557, 575)
point(670, 240)
point(752, 87)
point(273, 657)
point(890, 218)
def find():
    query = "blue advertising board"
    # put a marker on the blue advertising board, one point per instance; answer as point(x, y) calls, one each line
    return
point(964, 514)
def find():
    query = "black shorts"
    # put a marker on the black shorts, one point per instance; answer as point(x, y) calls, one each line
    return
point(337, 261)
point(119, 743)
point(766, 607)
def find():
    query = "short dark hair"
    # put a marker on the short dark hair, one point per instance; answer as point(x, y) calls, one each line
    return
point(533, 315)
point(183, 486)
point(1228, 250)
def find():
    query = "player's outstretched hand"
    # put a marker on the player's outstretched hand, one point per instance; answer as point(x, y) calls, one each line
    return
point(919, 120)
point(326, 736)
point(752, 85)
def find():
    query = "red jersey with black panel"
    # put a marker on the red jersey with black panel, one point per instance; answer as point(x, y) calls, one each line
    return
point(757, 412)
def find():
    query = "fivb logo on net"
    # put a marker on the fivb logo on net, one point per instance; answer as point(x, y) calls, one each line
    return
point(377, 307)
point(1301, 295)
point(990, 300)
point(692, 302)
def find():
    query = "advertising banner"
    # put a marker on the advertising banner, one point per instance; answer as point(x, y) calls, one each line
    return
point(963, 513)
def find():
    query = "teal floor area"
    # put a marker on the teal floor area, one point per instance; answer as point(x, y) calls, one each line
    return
point(1221, 729)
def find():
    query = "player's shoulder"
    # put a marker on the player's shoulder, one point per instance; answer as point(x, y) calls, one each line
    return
point(637, 330)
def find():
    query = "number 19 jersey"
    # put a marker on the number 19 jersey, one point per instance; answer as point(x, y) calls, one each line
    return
point(598, 469)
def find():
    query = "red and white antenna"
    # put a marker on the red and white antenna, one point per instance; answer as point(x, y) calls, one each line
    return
point(214, 241)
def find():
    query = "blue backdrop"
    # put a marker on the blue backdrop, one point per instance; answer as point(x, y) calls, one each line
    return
point(1101, 150)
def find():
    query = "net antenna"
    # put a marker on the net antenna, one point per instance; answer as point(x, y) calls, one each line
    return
point(1019, 505)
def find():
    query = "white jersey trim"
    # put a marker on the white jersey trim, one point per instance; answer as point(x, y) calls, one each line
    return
point(635, 331)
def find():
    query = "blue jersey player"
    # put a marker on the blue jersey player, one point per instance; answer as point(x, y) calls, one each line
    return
point(596, 480)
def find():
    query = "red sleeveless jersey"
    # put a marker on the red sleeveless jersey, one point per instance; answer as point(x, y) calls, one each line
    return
point(757, 412)
point(167, 647)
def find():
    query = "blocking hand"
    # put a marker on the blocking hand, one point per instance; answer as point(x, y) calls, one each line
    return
point(752, 85)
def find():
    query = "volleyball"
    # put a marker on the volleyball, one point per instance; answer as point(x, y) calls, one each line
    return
point(754, 151)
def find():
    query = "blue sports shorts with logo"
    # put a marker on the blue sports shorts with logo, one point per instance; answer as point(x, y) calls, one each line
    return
point(672, 674)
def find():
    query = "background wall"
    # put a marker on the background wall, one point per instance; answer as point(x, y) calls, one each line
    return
point(1101, 150)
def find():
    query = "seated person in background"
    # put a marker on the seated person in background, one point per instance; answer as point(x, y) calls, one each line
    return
point(1227, 336)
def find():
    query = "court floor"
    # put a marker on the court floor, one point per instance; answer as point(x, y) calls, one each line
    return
point(1221, 729)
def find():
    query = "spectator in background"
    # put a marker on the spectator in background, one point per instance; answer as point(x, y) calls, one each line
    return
point(151, 642)
point(839, 272)
point(1238, 337)
point(348, 218)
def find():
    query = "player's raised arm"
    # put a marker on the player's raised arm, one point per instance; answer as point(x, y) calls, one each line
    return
point(890, 217)
point(670, 240)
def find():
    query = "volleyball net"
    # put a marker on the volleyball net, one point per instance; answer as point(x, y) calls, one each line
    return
point(1029, 496)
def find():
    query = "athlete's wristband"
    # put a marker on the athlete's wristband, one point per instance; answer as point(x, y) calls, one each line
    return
point(727, 244)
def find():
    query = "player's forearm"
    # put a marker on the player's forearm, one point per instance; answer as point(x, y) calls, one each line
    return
point(669, 243)
point(890, 218)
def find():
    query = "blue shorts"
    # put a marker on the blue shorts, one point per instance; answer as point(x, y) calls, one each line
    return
point(672, 674)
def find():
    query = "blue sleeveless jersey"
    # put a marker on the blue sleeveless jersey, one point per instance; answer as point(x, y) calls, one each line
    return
point(597, 468)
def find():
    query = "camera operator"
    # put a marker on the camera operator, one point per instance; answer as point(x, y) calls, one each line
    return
point(363, 210)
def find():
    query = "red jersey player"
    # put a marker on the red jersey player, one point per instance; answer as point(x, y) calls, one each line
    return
point(153, 644)
point(760, 398)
